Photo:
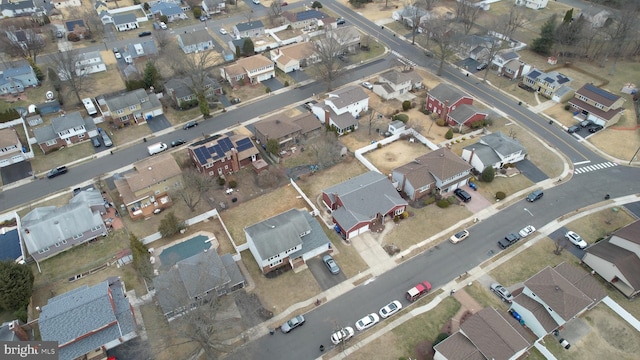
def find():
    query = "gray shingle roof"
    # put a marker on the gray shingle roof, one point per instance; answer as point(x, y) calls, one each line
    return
point(86, 311)
point(278, 233)
point(343, 120)
point(502, 144)
point(445, 92)
point(121, 19)
point(463, 113)
point(314, 240)
point(196, 37)
point(69, 121)
point(127, 99)
point(256, 24)
point(182, 87)
point(44, 134)
point(346, 96)
point(364, 197)
point(395, 77)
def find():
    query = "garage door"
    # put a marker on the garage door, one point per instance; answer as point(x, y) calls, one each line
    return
point(353, 234)
point(363, 229)
point(5, 162)
point(17, 158)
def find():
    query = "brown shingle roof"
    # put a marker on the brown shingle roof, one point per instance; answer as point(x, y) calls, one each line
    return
point(458, 346)
point(493, 335)
point(607, 115)
point(598, 95)
point(584, 281)
point(307, 122)
point(443, 163)
point(630, 232)
point(298, 51)
point(8, 137)
point(558, 293)
point(254, 62)
point(538, 311)
point(153, 170)
point(277, 126)
point(627, 262)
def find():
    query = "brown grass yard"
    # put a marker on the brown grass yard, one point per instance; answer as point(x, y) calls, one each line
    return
point(312, 185)
point(395, 154)
point(485, 297)
point(598, 225)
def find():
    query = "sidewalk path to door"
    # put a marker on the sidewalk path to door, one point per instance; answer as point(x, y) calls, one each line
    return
point(467, 303)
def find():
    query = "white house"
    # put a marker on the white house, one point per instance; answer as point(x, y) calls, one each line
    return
point(342, 109)
point(533, 4)
point(15, 80)
point(196, 40)
point(254, 69)
point(494, 150)
point(89, 63)
point(10, 147)
point(393, 84)
point(125, 22)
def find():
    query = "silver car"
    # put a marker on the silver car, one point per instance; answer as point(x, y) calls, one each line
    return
point(331, 264)
point(502, 292)
point(292, 324)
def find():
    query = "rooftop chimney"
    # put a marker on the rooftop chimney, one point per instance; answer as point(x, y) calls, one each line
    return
point(19, 331)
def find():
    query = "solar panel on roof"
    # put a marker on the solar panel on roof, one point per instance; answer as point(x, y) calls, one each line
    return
point(563, 79)
point(605, 94)
point(226, 144)
point(548, 79)
point(244, 144)
point(534, 74)
point(201, 155)
point(217, 152)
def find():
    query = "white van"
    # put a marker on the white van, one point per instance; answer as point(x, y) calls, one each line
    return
point(156, 148)
point(88, 104)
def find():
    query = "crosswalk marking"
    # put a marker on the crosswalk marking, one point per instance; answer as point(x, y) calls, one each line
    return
point(594, 167)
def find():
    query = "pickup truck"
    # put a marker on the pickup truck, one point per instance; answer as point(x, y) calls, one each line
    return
point(418, 291)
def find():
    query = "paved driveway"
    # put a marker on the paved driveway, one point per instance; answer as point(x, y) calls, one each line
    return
point(469, 64)
point(299, 76)
point(477, 203)
point(158, 123)
point(531, 171)
point(15, 172)
point(325, 279)
point(273, 84)
point(559, 234)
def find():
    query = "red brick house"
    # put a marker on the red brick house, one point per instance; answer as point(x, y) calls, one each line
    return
point(217, 155)
point(465, 115)
point(445, 98)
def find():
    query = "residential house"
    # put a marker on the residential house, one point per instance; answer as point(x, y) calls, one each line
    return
point(533, 4)
point(24, 37)
point(514, 69)
point(545, 83)
point(13, 331)
point(411, 14)
point(479, 54)
point(362, 202)
point(487, 334)
point(100, 6)
point(437, 172)
point(10, 147)
point(88, 63)
point(171, 10)
point(71, 128)
point(467, 43)
point(211, 7)
point(249, 29)
point(596, 16)
point(348, 38)
point(396, 127)
point(77, 28)
point(342, 109)
point(253, 69)
point(17, 79)
point(503, 57)
point(286, 130)
point(196, 280)
point(145, 189)
point(18, 8)
point(288, 239)
point(617, 259)
point(307, 19)
point(563, 94)
point(49, 230)
point(445, 98)
point(294, 57)
point(87, 321)
point(465, 116)
point(125, 22)
point(216, 156)
point(10, 249)
point(134, 106)
point(554, 296)
point(195, 41)
point(181, 89)
point(495, 150)
point(598, 105)
point(416, 79)
point(138, 49)
point(392, 84)
point(103, 12)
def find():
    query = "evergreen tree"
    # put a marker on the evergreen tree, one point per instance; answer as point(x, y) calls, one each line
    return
point(36, 69)
point(151, 75)
point(16, 285)
point(171, 225)
point(247, 47)
point(544, 43)
point(141, 258)
point(204, 105)
point(488, 174)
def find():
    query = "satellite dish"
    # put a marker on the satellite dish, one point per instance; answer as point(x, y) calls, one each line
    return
point(32, 109)
point(49, 95)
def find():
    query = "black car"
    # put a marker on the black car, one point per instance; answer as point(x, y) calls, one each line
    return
point(340, 21)
point(574, 128)
point(463, 195)
point(144, 33)
point(96, 142)
point(508, 241)
point(57, 171)
point(536, 195)
point(235, 101)
point(595, 128)
point(178, 142)
point(190, 124)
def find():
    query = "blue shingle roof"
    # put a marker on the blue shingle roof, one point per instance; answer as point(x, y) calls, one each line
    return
point(10, 245)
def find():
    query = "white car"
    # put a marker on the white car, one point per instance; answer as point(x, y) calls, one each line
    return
point(163, 26)
point(223, 31)
point(257, 2)
point(342, 335)
point(575, 239)
point(459, 236)
point(367, 321)
point(367, 85)
point(118, 55)
point(526, 231)
point(390, 309)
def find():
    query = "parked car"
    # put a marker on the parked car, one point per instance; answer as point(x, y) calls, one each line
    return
point(59, 34)
point(190, 124)
point(163, 26)
point(342, 335)
point(367, 85)
point(390, 309)
point(573, 129)
point(536, 195)
point(178, 142)
point(57, 171)
point(418, 291)
point(576, 240)
point(508, 241)
point(340, 21)
point(459, 236)
point(331, 264)
point(367, 321)
point(105, 138)
point(292, 324)
point(144, 33)
point(463, 195)
point(526, 231)
point(482, 66)
point(595, 128)
point(118, 55)
point(586, 123)
point(223, 31)
point(257, 2)
point(502, 292)
point(96, 142)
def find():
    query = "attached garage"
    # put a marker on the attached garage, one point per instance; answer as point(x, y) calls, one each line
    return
point(358, 231)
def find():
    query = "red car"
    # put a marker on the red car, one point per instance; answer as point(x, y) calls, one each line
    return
point(418, 291)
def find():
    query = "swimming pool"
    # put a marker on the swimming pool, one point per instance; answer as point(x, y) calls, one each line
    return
point(188, 248)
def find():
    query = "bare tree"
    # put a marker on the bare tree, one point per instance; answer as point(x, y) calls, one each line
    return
point(72, 71)
point(559, 245)
point(441, 30)
point(163, 38)
point(619, 32)
point(92, 22)
point(504, 27)
point(467, 13)
point(326, 148)
point(28, 42)
point(195, 185)
point(412, 17)
point(430, 4)
point(329, 50)
point(276, 8)
point(194, 67)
